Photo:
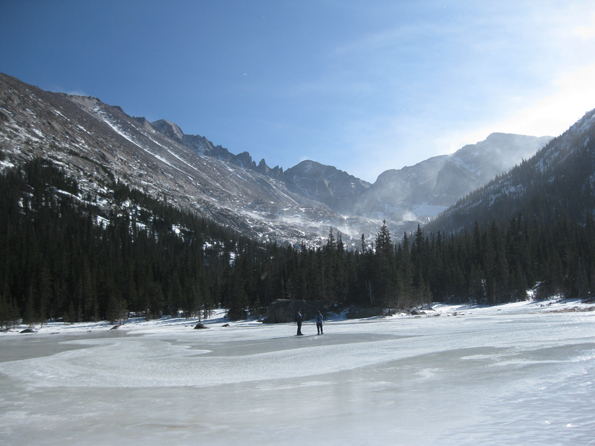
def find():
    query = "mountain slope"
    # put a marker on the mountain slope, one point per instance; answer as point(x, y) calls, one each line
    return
point(100, 144)
point(558, 182)
point(422, 191)
point(335, 188)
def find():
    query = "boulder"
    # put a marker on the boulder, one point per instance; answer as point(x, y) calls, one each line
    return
point(199, 326)
point(365, 312)
point(284, 310)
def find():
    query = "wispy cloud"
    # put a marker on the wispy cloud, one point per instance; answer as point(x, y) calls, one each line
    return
point(523, 69)
point(586, 32)
point(571, 97)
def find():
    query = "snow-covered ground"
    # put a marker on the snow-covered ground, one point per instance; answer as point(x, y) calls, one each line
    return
point(506, 375)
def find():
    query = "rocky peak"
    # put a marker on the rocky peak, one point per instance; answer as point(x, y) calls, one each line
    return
point(169, 129)
point(327, 184)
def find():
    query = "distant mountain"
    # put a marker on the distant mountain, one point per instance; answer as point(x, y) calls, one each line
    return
point(333, 187)
point(100, 145)
point(558, 182)
point(422, 191)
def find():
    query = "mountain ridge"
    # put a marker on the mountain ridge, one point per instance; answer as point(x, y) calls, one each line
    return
point(539, 186)
point(100, 143)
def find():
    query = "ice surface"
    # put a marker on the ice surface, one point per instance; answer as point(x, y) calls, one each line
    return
point(507, 375)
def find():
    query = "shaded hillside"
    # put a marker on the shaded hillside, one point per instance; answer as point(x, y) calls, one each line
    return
point(558, 182)
point(420, 192)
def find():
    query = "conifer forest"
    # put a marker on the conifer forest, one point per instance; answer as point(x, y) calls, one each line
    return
point(67, 255)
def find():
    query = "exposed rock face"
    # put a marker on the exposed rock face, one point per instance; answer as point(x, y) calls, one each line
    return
point(169, 129)
point(331, 186)
point(284, 310)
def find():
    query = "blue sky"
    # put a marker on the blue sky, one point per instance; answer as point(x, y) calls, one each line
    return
point(365, 86)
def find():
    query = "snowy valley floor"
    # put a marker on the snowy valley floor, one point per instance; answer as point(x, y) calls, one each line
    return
point(506, 375)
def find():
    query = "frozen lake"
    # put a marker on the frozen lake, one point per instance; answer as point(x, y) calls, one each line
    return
point(507, 375)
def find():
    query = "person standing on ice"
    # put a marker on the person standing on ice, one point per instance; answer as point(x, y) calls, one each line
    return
point(298, 320)
point(319, 323)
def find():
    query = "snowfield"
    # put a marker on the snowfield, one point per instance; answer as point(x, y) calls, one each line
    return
point(507, 375)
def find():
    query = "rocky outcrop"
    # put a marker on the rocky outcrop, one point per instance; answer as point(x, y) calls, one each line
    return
point(169, 129)
point(327, 184)
point(284, 310)
point(362, 313)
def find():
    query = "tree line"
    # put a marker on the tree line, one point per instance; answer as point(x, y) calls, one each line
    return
point(64, 255)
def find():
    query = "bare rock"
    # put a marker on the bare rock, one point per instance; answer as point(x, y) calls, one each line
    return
point(284, 310)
